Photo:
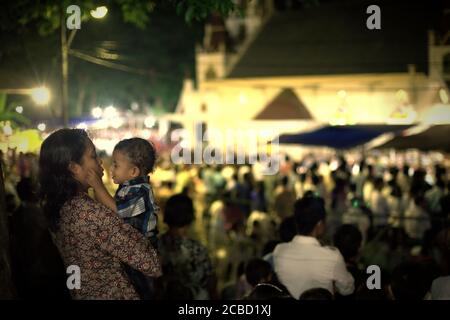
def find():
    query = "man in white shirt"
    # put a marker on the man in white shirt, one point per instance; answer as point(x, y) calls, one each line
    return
point(303, 263)
point(379, 204)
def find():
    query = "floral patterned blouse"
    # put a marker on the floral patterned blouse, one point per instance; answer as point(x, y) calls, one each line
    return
point(97, 240)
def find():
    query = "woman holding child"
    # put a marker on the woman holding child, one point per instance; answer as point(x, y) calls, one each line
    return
point(87, 233)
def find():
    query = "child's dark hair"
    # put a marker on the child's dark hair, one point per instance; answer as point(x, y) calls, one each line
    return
point(140, 152)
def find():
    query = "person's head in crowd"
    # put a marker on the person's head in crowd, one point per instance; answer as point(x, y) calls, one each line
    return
point(179, 211)
point(258, 271)
point(378, 183)
point(316, 294)
point(315, 179)
point(26, 190)
point(410, 281)
point(309, 213)
point(342, 163)
point(370, 171)
point(439, 171)
point(284, 181)
point(268, 291)
point(394, 172)
point(396, 191)
point(362, 165)
point(348, 240)
point(340, 185)
point(287, 229)
point(247, 178)
point(405, 170)
point(302, 177)
point(352, 188)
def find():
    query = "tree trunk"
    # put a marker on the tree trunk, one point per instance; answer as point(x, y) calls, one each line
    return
point(6, 283)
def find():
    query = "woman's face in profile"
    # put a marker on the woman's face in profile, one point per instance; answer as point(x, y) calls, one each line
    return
point(89, 161)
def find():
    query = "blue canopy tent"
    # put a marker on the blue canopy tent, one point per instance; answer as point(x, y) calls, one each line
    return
point(341, 137)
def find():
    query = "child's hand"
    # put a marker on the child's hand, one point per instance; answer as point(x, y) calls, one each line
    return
point(94, 180)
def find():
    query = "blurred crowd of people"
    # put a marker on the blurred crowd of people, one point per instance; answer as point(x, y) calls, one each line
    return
point(227, 228)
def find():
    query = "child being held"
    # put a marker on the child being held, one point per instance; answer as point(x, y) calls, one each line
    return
point(133, 160)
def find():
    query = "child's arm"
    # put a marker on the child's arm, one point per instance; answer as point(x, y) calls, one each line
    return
point(101, 194)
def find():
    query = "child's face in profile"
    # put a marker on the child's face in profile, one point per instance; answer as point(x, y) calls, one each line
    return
point(122, 169)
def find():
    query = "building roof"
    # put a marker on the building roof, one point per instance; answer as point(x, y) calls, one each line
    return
point(332, 38)
point(285, 106)
point(434, 138)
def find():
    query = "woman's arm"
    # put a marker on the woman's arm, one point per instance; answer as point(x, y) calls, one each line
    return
point(101, 194)
point(121, 240)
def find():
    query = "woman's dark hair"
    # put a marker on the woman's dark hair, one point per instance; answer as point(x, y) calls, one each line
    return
point(57, 184)
point(140, 152)
point(179, 211)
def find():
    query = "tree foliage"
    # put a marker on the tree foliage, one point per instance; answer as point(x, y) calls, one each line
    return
point(47, 13)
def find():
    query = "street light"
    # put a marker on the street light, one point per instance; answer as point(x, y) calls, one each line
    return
point(40, 95)
point(97, 112)
point(99, 12)
point(110, 112)
point(41, 126)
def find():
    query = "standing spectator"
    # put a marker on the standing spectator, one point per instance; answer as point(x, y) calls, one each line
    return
point(379, 205)
point(284, 199)
point(358, 216)
point(185, 262)
point(417, 218)
point(38, 270)
point(404, 180)
point(259, 198)
point(339, 203)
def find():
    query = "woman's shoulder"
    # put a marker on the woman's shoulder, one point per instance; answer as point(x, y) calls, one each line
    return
point(167, 240)
point(81, 204)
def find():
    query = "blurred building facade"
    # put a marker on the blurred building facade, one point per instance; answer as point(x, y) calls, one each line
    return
point(284, 69)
